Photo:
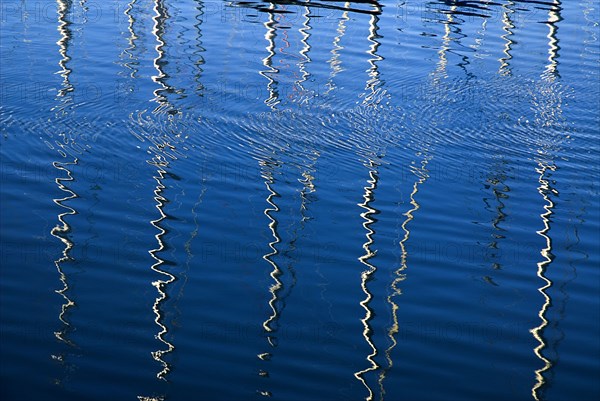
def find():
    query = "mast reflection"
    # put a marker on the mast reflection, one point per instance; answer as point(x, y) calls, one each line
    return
point(554, 17)
point(545, 191)
point(162, 149)
point(367, 275)
point(272, 86)
point(422, 174)
point(64, 98)
point(270, 324)
point(305, 54)
point(161, 15)
point(374, 84)
point(549, 112)
point(507, 26)
point(334, 62)
point(161, 285)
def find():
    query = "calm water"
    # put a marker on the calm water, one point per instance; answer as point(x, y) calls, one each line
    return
point(302, 200)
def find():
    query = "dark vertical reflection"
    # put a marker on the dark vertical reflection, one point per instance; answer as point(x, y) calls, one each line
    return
point(422, 174)
point(507, 26)
point(64, 28)
point(270, 72)
point(452, 19)
point(374, 83)
point(500, 192)
point(270, 325)
point(198, 57)
point(160, 18)
point(367, 275)
point(554, 16)
point(545, 191)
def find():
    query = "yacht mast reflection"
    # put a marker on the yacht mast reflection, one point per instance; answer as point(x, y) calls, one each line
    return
point(132, 63)
point(422, 174)
point(550, 112)
point(554, 17)
point(374, 83)
point(64, 98)
point(161, 285)
point(367, 275)
point(64, 28)
point(272, 86)
point(161, 150)
point(61, 232)
point(161, 15)
point(373, 96)
point(270, 324)
point(304, 53)
point(334, 62)
point(545, 191)
point(507, 27)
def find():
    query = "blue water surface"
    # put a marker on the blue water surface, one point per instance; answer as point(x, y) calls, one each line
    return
point(300, 200)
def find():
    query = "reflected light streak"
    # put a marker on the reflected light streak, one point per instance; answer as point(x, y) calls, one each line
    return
point(276, 272)
point(161, 284)
point(443, 59)
point(276, 287)
point(158, 30)
point(334, 62)
point(367, 274)
point(538, 332)
point(61, 232)
point(273, 100)
point(422, 174)
point(304, 52)
point(63, 10)
point(507, 27)
point(374, 83)
point(131, 40)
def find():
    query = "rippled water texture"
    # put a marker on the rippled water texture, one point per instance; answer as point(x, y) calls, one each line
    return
point(301, 200)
